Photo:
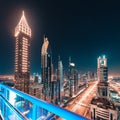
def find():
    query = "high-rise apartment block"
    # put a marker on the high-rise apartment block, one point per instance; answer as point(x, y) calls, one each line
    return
point(22, 55)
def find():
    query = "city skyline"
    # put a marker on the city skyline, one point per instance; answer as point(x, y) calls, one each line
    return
point(73, 30)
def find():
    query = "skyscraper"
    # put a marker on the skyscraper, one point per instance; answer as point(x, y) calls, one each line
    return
point(22, 55)
point(102, 70)
point(101, 108)
point(60, 89)
point(54, 92)
point(73, 79)
point(46, 68)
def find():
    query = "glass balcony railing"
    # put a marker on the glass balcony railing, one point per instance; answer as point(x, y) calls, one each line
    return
point(16, 105)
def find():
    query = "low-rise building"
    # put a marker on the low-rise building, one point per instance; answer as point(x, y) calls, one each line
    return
point(35, 90)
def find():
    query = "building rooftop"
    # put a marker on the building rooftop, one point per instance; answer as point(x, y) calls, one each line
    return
point(103, 103)
point(23, 26)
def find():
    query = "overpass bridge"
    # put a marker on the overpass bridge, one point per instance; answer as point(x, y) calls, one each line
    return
point(16, 105)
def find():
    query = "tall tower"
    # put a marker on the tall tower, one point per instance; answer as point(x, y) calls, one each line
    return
point(22, 55)
point(102, 70)
point(46, 68)
point(101, 107)
point(73, 79)
point(60, 81)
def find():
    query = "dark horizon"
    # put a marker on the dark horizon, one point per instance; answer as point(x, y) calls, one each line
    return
point(82, 30)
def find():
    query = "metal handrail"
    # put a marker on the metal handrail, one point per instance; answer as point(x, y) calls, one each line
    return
point(67, 115)
point(19, 114)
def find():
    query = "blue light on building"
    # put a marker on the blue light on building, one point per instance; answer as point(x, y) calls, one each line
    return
point(37, 108)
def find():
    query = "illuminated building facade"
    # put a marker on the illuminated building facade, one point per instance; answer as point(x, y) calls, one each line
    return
point(22, 55)
point(102, 70)
point(101, 108)
point(102, 67)
point(46, 68)
point(73, 79)
point(60, 89)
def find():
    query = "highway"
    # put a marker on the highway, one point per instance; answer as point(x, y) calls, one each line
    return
point(81, 103)
point(115, 86)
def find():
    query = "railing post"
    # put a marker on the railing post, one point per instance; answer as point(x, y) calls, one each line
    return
point(5, 107)
point(1, 102)
point(34, 112)
point(2, 108)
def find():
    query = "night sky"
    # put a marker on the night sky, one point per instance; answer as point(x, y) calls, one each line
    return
point(78, 28)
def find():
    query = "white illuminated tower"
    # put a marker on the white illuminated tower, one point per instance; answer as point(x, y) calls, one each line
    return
point(103, 89)
point(102, 64)
point(102, 71)
point(101, 107)
point(22, 55)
